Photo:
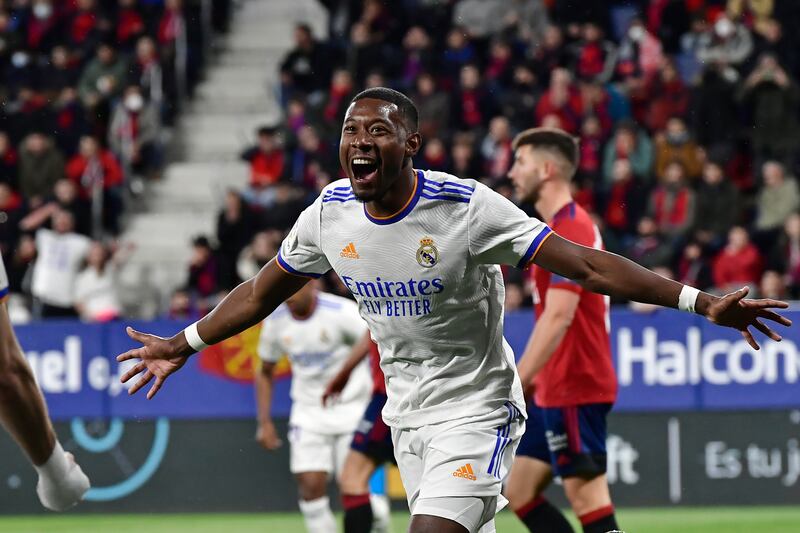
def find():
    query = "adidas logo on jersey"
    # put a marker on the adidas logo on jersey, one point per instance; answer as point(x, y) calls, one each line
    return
point(349, 252)
point(465, 472)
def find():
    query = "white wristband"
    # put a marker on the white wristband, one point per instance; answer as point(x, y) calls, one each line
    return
point(56, 466)
point(688, 298)
point(194, 339)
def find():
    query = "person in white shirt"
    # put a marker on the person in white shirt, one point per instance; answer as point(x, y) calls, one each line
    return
point(317, 332)
point(96, 286)
point(23, 413)
point(61, 252)
point(420, 251)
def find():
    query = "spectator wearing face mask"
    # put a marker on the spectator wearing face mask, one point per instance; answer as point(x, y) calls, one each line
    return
point(672, 203)
point(134, 133)
point(725, 44)
point(675, 144)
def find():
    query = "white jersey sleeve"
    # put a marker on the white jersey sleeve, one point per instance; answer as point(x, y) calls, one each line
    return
point(500, 232)
point(269, 348)
point(3, 280)
point(301, 251)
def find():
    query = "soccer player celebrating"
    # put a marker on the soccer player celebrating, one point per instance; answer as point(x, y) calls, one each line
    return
point(568, 357)
point(371, 447)
point(23, 412)
point(317, 331)
point(420, 251)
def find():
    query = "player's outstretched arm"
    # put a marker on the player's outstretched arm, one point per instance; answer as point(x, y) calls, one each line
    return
point(244, 307)
point(266, 435)
point(607, 273)
point(357, 354)
point(23, 412)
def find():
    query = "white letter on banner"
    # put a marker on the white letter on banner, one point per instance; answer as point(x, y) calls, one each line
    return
point(671, 363)
point(711, 374)
point(628, 355)
point(52, 371)
point(72, 351)
point(693, 347)
point(736, 369)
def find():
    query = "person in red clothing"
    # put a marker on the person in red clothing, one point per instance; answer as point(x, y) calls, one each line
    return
point(99, 176)
point(561, 99)
point(372, 441)
point(739, 263)
point(267, 166)
point(567, 363)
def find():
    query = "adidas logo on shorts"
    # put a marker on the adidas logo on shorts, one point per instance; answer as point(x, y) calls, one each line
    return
point(465, 472)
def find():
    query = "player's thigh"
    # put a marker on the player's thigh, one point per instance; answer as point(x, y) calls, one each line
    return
point(356, 473)
point(576, 437)
point(471, 457)
point(531, 472)
point(434, 524)
point(310, 451)
point(341, 448)
point(373, 437)
point(587, 495)
point(528, 478)
point(455, 513)
point(312, 485)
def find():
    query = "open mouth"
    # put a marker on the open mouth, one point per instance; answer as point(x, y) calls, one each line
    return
point(363, 168)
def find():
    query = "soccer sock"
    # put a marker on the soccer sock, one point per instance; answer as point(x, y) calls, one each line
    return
point(541, 516)
point(381, 513)
point(357, 513)
point(318, 516)
point(599, 521)
point(62, 483)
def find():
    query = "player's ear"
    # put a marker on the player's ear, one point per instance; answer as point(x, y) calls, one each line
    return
point(413, 143)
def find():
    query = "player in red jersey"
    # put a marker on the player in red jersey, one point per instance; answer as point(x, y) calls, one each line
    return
point(371, 447)
point(567, 361)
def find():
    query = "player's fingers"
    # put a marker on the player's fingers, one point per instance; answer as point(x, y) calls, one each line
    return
point(136, 353)
point(775, 317)
point(738, 295)
point(138, 336)
point(749, 338)
point(144, 380)
point(763, 328)
point(763, 303)
point(155, 388)
point(135, 369)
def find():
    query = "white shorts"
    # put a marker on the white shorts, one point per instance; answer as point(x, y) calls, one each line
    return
point(317, 452)
point(464, 457)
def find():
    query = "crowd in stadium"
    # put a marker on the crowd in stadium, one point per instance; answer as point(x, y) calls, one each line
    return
point(87, 87)
point(687, 114)
point(687, 111)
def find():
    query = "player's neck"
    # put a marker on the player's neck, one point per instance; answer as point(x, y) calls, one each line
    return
point(397, 196)
point(551, 201)
point(304, 314)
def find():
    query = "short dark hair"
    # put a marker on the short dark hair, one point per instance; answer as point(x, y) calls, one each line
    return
point(550, 138)
point(404, 104)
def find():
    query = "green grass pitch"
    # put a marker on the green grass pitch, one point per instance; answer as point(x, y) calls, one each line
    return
point(675, 520)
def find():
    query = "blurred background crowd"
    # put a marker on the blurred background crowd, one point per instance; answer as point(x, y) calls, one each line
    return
point(687, 112)
point(89, 92)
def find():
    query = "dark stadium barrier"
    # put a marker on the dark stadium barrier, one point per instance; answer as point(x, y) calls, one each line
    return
point(701, 419)
point(163, 465)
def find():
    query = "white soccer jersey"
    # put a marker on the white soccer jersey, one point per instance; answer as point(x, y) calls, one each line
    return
point(317, 348)
point(3, 280)
point(429, 288)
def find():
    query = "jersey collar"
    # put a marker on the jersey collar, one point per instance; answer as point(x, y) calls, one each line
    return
point(567, 212)
point(406, 209)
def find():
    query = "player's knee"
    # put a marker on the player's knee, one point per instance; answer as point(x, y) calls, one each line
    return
point(587, 495)
point(434, 524)
point(312, 487)
point(518, 494)
point(354, 478)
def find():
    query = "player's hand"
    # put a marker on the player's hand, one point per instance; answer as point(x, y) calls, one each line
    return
point(734, 311)
point(335, 387)
point(267, 436)
point(157, 359)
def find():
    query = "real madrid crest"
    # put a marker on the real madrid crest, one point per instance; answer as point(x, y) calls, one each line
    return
point(427, 254)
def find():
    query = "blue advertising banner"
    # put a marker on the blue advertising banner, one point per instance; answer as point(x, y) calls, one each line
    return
point(665, 360)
